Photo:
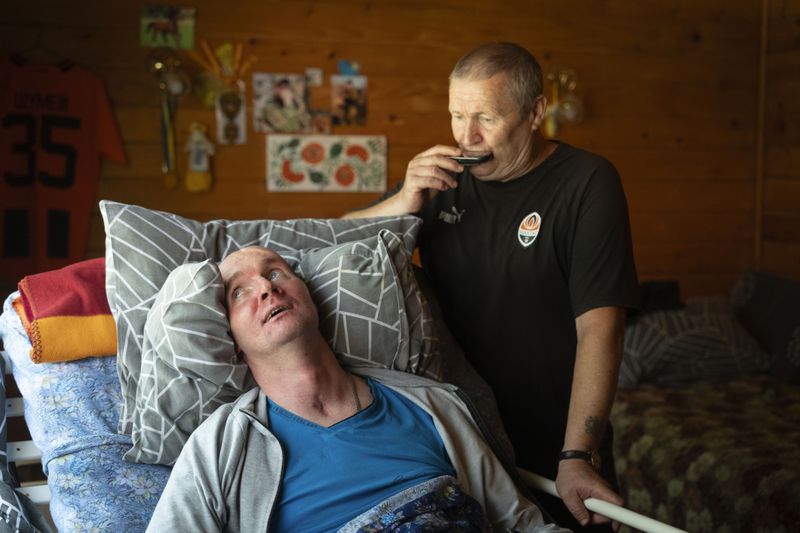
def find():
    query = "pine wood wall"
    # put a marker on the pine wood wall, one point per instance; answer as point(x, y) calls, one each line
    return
point(780, 246)
point(670, 90)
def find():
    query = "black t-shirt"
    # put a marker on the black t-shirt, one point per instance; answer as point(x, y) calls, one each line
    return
point(513, 264)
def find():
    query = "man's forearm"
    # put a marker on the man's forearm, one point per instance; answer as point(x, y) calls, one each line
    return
point(599, 351)
point(389, 207)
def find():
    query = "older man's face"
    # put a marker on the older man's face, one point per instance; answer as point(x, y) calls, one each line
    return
point(268, 305)
point(485, 118)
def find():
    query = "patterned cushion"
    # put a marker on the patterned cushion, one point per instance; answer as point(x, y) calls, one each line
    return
point(371, 313)
point(768, 307)
point(143, 246)
point(189, 366)
point(703, 342)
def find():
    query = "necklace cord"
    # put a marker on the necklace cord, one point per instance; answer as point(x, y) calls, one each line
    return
point(355, 393)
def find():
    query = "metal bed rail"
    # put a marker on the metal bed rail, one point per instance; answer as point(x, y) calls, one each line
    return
point(24, 452)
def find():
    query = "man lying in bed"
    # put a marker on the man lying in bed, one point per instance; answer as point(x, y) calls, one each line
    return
point(318, 448)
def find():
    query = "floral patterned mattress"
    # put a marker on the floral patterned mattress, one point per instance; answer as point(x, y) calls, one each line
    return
point(72, 410)
point(721, 457)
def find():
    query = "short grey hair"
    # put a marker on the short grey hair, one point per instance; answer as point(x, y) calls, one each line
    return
point(523, 71)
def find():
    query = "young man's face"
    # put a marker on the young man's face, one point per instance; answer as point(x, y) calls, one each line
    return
point(268, 305)
point(485, 117)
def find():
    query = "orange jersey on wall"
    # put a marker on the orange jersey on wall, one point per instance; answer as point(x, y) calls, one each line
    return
point(55, 125)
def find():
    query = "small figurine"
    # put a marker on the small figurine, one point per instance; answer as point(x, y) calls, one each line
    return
point(198, 177)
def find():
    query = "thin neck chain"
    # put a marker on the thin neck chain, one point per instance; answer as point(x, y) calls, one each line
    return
point(355, 393)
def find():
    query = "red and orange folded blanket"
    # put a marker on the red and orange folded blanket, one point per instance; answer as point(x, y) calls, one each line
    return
point(66, 313)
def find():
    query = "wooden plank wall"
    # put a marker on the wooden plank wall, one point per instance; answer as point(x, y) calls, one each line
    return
point(670, 91)
point(780, 247)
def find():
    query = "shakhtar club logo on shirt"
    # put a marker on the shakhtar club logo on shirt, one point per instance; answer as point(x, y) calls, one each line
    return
point(529, 229)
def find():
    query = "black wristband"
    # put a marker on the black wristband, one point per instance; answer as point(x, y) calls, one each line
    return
point(591, 457)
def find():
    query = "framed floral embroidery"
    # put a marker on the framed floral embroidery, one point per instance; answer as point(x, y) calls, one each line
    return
point(326, 163)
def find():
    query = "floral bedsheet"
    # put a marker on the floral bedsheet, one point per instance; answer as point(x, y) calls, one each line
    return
point(72, 410)
point(438, 504)
point(722, 457)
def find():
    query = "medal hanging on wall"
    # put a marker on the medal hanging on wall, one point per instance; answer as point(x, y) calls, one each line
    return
point(230, 115)
point(173, 82)
point(224, 69)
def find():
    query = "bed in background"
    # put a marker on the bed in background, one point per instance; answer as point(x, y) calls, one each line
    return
point(707, 417)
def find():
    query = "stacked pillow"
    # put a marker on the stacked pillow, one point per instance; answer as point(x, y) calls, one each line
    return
point(176, 360)
point(702, 342)
point(189, 366)
point(769, 307)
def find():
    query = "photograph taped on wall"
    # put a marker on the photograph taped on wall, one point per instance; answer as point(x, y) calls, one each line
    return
point(279, 103)
point(320, 121)
point(326, 163)
point(167, 26)
point(349, 100)
point(314, 76)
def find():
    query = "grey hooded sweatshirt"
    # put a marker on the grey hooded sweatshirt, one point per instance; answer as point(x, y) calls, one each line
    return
point(229, 473)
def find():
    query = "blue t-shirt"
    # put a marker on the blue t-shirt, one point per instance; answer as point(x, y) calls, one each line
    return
point(331, 475)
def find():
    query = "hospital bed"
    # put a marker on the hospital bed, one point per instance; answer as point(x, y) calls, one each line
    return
point(84, 415)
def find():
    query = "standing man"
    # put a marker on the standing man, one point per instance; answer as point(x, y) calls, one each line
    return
point(530, 255)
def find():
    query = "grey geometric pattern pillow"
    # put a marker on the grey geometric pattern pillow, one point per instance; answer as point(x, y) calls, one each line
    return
point(371, 313)
point(143, 246)
point(371, 310)
point(703, 342)
point(189, 365)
